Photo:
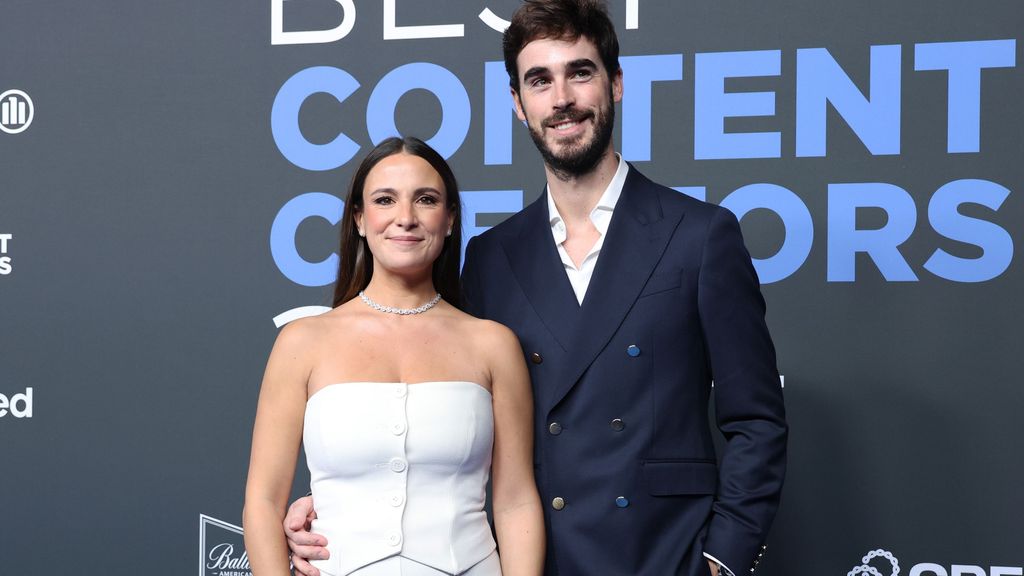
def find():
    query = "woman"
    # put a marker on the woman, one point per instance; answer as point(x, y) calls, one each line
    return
point(397, 397)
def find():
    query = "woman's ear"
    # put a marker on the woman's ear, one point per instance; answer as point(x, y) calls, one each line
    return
point(358, 218)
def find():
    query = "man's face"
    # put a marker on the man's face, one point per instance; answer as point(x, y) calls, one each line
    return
point(567, 100)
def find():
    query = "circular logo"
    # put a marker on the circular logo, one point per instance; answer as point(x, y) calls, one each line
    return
point(16, 111)
point(869, 570)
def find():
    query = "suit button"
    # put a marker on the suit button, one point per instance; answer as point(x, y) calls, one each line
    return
point(558, 503)
point(622, 501)
point(633, 350)
point(536, 358)
point(555, 428)
point(618, 425)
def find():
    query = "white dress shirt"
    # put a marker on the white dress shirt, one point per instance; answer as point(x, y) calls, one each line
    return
point(600, 216)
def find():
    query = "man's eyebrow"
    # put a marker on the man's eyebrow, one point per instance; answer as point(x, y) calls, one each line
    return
point(536, 71)
point(581, 63)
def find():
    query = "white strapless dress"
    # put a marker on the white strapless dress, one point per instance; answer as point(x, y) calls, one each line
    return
point(399, 474)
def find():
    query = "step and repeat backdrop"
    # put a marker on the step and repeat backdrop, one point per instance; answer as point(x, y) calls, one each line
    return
point(172, 175)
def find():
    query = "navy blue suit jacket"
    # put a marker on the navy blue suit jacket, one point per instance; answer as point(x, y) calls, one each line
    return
point(622, 384)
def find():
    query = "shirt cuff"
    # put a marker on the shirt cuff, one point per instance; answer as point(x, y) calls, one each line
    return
point(725, 569)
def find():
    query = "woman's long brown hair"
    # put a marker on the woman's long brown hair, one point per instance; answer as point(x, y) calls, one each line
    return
point(355, 267)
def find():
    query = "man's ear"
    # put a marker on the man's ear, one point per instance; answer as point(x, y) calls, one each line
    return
point(518, 104)
point(617, 86)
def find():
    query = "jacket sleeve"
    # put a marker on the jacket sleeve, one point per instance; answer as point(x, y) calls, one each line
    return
point(749, 407)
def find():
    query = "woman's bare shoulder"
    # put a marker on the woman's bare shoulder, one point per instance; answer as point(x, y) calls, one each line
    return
point(492, 336)
point(301, 336)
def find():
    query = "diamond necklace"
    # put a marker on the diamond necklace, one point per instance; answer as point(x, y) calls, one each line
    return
point(401, 311)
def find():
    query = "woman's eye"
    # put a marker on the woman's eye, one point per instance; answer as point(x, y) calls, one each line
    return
point(430, 200)
point(383, 200)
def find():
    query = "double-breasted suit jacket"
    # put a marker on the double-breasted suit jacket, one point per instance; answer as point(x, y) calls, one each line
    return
point(625, 462)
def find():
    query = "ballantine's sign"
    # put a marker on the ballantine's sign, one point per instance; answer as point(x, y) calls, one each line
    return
point(222, 557)
point(221, 549)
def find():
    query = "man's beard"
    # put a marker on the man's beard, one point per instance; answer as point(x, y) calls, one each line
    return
point(578, 158)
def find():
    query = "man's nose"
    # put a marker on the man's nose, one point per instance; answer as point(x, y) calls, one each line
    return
point(564, 95)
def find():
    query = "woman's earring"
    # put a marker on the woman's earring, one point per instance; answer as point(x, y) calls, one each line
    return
point(362, 234)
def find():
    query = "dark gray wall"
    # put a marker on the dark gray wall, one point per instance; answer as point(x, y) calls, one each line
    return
point(139, 288)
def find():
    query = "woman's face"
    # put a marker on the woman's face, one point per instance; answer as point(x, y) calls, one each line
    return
point(405, 215)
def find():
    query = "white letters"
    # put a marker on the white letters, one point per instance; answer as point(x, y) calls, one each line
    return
point(632, 14)
point(495, 22)
point(959, 570)
point(222, 558)
point(391, 29)
point(928, 568)
point(5, 261)
point(20, 405)
point(278, 35)
point(393, 32)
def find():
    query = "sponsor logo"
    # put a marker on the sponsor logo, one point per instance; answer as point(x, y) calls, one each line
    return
point(883, 563)
point(221, 549)
point(5, 260)
point(19, 405)
point(16, 111)
point(866, 566)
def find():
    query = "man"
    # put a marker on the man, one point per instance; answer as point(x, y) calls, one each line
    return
point(628, 299)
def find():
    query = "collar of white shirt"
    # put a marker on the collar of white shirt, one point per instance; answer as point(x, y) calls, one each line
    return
point(600, 216)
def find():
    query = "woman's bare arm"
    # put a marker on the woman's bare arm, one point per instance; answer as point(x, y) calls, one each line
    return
point(276, 437)
point(518, 519)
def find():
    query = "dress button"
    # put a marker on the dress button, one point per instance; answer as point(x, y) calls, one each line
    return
point(536, 358)
point(558, 503)
point(396, 500)
point(400, 391)
point(618, 425)
point(398, 428)
point(555, 428)
point(622, 501)
point(397, 465)
point(633, 350)
point(394, 539)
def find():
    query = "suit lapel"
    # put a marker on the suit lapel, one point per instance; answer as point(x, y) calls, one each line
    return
point(539, 270)
point(637, 236)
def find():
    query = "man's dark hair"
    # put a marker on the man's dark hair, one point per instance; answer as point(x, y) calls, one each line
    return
point(560, 20)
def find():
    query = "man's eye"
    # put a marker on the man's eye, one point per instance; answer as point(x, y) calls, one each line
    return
point(539, 82)
point(582, 74)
